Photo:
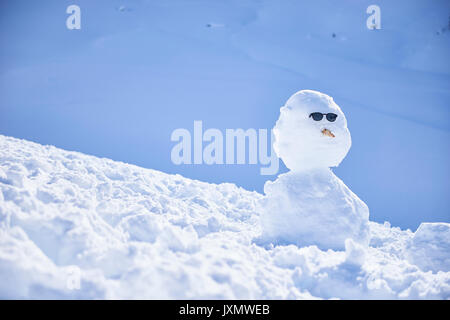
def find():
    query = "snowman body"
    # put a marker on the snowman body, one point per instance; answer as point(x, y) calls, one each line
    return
point(309, 205)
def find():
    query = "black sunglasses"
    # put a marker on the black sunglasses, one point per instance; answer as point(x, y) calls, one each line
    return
point(317, 116)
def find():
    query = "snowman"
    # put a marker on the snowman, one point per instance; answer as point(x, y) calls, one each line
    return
point(309, 205)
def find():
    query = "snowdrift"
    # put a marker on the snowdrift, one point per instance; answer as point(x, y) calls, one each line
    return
point(76, 226)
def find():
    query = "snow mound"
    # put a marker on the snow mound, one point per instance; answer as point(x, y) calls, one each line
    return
point(312, 208)
point(77, 226)
point(430, 247)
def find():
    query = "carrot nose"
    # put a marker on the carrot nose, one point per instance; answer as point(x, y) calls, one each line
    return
point(327, 132)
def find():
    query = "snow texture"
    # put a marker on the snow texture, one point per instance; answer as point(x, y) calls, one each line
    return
point(430, 247)
point(76, 226)
point(310, 205)
point(299, 140)
point(312, 208)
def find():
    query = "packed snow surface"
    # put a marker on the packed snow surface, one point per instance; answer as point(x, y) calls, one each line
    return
point(77, 226)
point(312, 208)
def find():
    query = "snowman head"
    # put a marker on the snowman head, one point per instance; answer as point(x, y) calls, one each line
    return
point(311, 132)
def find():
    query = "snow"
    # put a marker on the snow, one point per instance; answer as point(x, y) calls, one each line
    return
point(309, 205)
point(76, 226)
point(156, 67)
point(299, 140)
point(430, 247)
point(312, 208)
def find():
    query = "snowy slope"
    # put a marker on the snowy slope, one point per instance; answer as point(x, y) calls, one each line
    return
point(77, 226)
